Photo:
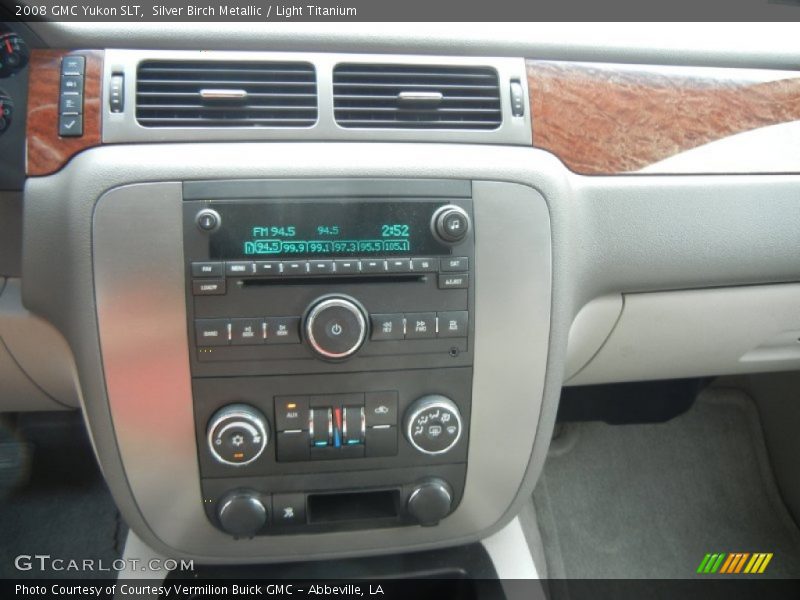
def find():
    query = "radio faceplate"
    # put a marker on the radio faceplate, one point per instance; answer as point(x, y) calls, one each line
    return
point(331, 333)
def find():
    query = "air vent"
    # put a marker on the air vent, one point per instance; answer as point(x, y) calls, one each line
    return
point(225, 94)
point(416, 97)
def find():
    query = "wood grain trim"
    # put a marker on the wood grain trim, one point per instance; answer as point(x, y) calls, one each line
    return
point(46, 151)
point(611, 119)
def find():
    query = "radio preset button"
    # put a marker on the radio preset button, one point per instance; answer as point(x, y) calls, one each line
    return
point(387, 327)
point(453, 324)
point(247, 331)
point(455, 281)
point(208, 287)
point(398, 265)
point(420, 325)
point(455, 263)
point(371, 265)
point(347, 266)
point(268, 268)
point(211, 332)
point(320, 267)
point(283, 330)
point(208, 269)
point(424, 265)
point(294, 267)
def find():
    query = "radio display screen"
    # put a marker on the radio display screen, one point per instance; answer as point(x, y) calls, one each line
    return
point(267, 230)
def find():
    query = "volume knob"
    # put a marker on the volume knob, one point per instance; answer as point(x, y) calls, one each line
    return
point(335, 327)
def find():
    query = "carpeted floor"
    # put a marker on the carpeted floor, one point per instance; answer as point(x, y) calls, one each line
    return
point(65, 509)
point(650, 500)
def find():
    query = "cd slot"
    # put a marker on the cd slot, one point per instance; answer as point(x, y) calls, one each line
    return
point(338, 279)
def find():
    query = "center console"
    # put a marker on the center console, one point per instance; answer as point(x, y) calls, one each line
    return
point(331, 351)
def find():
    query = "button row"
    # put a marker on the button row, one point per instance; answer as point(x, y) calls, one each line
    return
point(336, 426)
point(70, 101)
point(235, 332)
point(278, 268)
point(411, 326)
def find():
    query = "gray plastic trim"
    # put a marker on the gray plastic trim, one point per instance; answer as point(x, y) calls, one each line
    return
point(609, 235)
point(123, 127)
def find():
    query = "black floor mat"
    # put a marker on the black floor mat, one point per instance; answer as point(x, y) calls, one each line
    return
point(64, 510)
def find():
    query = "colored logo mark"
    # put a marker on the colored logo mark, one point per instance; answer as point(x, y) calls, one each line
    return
point(732, 563)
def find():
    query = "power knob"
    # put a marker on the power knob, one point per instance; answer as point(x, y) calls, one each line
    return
point(237, 435)
point(430, 501)
point(242, 513)
point(450, 223)
point(433, 424)
point(335, 326)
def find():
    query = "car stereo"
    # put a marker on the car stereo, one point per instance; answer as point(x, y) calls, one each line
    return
point(331, 335)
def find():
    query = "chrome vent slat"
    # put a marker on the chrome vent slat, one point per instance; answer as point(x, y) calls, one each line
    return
point(273, 94)
point(377, 96)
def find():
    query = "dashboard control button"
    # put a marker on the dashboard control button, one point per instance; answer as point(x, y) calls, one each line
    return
point(380, 408)
point(211, 332)
point(71, 84)
point(240, 269)
point(424, 265)
point(208, 269)
point(373, 265)
point(353, 425)
point(208, 287)
point(116, 93)
point(242, 513)
point(320, 267)
point(336, 327)
point(381, 441)
point(420, 325)
point(320, 427)
point(71, 103)
point(283, 330)
point(291, 413)
point(292, 446)
point(73, 65)
point(294, 267)
point(398, 265)
point(387, 327)
point(288, 509)
point(268, 268)
point(208, 219)
point(450, 224)
point(347, 266)
point(433, 424)
point(70, 125)
point(455, 263)
point(430, 502)
point(453, 281)
point(453, 324)
point(248, 331)
point(237, 435)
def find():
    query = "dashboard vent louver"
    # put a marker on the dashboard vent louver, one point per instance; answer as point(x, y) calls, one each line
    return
point(178, 93)
point(416, 97)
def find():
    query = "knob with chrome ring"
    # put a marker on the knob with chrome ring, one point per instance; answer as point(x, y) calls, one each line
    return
point(335, 326)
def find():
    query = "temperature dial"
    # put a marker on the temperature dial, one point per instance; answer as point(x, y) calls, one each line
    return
point(433, 424)
point(237, 435)
point(13, 54)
